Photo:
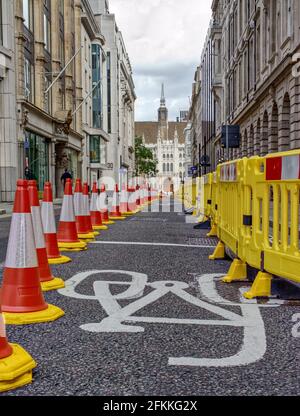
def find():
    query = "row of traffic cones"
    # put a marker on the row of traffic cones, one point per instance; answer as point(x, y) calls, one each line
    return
point(34, 244)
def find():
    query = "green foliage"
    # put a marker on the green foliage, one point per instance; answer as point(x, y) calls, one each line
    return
point(144, 160)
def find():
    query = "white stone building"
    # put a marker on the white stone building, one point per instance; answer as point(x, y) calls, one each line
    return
point(118, 105)
point(166, 140)
point(8, 122)
point(94, 120)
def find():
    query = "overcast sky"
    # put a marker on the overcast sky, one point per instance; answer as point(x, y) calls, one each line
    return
point(164, 40)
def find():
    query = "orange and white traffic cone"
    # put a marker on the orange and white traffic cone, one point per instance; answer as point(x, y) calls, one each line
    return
point(115, 213)
point(67, 237)
point(101, 203)
point(138, 196)
point(86, 208)
point(132, 207)
point(48, 282)
point(48, 221)
point(124, 208)
point(22, 299)
point(95, 213)
point(149, 193)
point(16, 364)
point(80, 214)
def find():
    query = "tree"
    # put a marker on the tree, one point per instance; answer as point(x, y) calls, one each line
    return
point(144, 159)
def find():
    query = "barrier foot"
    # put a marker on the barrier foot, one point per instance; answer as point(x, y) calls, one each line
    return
point(16, 370)
point(261, 286)
point(219, 252)
point(213, 231)
point(237, 271)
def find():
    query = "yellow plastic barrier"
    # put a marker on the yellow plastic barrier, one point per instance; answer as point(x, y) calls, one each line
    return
point(257, 218)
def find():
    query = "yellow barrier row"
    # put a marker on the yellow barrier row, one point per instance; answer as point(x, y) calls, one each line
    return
point(253, 205)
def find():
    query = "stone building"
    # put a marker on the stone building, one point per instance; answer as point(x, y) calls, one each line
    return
point(94, 119)
point(8, 135)
point(119, 102)
point(49, 129)
point(167, 141)
point(254, 47)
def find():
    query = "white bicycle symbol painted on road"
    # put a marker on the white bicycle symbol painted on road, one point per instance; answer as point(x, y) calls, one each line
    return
point(118, 318)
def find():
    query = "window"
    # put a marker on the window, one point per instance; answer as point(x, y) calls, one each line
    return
point(28, 77)
point(47, 28)
point(96, 85)
point(164, 167)
point(27, 14)
point(108, 60)
point(47, 105)
point(94, 149)
point(171, 167)
point(103, 151)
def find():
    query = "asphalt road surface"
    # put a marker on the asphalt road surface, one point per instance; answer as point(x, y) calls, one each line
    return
point(164, 325)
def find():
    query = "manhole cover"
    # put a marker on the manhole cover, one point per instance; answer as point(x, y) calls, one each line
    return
point(194, 241)
point(148, 219)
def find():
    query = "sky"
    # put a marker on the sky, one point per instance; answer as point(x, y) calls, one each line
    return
point(164, 40)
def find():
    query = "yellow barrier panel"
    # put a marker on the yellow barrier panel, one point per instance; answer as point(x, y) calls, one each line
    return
point(257, 217)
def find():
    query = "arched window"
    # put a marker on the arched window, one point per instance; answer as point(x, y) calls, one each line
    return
point(180, 155)
point(164, 156)
point(167, 156)
point(180, 165)
point(168, 166)
point(171, 167)
point(164, 167)
point(171, 156)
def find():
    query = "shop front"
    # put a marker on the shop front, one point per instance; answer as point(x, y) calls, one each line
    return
point(37, 158)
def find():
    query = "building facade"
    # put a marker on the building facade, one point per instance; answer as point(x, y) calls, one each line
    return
point(49, 129)
point(119, 101)
point(167, 141)
point(94, 120)
point(8, 122)
point(66, 95)
point(254, 45)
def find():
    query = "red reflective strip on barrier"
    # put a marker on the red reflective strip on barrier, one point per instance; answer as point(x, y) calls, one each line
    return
point(273, 168)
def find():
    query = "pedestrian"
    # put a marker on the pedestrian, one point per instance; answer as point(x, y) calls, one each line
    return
point(66, 175)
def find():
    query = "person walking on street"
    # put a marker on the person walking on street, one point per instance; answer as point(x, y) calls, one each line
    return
point(66, 175)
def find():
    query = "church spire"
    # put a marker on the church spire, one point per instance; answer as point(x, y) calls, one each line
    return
point(162, 98)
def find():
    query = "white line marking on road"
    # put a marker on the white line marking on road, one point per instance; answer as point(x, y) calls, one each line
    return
point(138, 243)
point(253, 346)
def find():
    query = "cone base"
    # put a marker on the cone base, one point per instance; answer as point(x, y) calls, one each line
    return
point(127, 213)
point(109, 222)
point(59, 260)
point(69, 246)
point(86, 236)
point(16, 370)
point(100, 227)
point(118, 218)
point(95, 232)
point(55, 283)
point(46, 315)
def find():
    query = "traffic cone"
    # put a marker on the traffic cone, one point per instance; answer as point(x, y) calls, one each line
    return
point(67, 237)
point(138, 196)
point(132, 206)
point(103, 207)
point(124, 208)
point(80, 214)
point(48, 221)
point(115, 209)
point(16, 364)
point(95, 213)
point(86, 208)
point(48, 282)
point(149, 193)
point(21, 295)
